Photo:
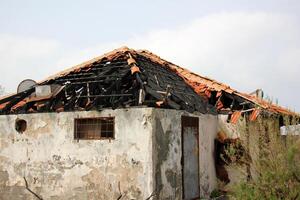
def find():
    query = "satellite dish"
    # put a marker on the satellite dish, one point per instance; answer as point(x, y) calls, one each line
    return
point(25, 85)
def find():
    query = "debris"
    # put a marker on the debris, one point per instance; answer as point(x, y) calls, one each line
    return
point(125, 78)
point(235, 117)
point(254, 115)
point(122, 79)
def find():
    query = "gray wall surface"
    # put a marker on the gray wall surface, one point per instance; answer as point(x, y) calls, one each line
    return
point(58, 167)
point(167, 152)
point(143, 159)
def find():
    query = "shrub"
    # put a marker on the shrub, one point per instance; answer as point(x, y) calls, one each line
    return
point(278, 173)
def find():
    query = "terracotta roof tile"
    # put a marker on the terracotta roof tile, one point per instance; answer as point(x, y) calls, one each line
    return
point(197, 81)
point(200, 84)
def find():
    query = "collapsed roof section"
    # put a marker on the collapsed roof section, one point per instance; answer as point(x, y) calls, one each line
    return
point(122, 78)
point(222, 96)
point(126, 77)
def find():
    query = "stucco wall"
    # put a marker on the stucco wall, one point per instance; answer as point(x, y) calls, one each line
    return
point(143, 159)
point(207, 134)
point(58, 167)
point(255, 136)
point(168, 151)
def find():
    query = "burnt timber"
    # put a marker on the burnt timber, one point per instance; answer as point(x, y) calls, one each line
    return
point(123, 80)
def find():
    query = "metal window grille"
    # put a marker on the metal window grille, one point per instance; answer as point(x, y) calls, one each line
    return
point(94, 128)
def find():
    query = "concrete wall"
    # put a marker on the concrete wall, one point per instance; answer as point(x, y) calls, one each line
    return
point(143, 159)
point(255, 136)
point(168, 151)
point(208, 131)
point(58, 167)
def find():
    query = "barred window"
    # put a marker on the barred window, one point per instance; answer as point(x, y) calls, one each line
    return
point(94, 128)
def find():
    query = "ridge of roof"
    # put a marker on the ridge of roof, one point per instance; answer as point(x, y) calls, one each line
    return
point(80, 66)
point(187, 74)
point(86, 64)
point(197, 82)
point(193, 79)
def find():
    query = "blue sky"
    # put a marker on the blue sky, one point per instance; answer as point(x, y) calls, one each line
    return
point(246, 44)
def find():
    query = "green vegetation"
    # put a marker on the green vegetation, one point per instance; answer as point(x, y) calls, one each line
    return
point(277, 173)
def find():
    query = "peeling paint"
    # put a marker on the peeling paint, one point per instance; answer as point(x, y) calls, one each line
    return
point(58, 167)
point(168, 150)
point(144, 157)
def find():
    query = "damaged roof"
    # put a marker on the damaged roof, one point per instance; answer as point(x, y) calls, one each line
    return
point(205, 86)
point(121, 78)
point(126, 77)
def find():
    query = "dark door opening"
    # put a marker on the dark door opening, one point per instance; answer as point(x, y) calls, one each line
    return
point(190, 157)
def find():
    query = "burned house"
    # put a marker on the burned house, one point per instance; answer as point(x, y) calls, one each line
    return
point(121, 126)
point(125, 125)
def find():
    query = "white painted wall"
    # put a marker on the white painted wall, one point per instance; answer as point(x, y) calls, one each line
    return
point(144, 156)
point(59, 167)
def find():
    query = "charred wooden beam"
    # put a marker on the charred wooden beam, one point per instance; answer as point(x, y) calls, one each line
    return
point(17, 99)
point(104, 95)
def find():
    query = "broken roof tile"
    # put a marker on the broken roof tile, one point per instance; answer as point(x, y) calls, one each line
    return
point(201, 85)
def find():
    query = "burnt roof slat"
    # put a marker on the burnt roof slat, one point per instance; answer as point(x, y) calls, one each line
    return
point(188, 90)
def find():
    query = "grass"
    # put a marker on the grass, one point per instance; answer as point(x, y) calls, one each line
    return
point(277, 172)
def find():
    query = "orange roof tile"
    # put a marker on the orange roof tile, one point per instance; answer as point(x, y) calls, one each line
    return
point(200, 84)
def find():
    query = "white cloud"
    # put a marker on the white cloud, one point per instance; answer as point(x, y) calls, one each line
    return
point(24, 58)
point(244, 50)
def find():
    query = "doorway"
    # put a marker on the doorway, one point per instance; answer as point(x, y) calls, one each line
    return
point(190, 157)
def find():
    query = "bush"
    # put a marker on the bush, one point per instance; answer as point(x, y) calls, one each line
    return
point(278, 173)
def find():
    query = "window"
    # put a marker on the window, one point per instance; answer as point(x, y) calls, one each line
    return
point(94, 128)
